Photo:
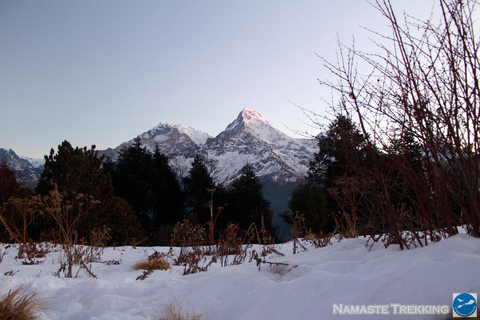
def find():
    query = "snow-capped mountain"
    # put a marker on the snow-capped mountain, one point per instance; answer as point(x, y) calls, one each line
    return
point(248, 139)
point(27, 170)
point(171, 139)
point(251, 139)
point(279, 161)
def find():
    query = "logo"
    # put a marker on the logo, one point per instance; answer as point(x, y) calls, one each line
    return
point(464, 305)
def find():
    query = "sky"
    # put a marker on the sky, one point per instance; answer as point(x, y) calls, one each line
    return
point(103, 72)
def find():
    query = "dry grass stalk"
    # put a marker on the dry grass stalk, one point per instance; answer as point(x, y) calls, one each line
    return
point(174, 311)
point(17, 306)
point(155, 261)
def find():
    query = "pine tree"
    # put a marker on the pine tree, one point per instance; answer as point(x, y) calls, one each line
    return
point(342, 168)
point(195, 187)
point(405, 162)
point(132, 180)
point(75, 171)
point(341, 149)
point(79, 171)
point(246, 203)
point(149, 185)
point(168, 205)
point(9, 189)
point(311, 201)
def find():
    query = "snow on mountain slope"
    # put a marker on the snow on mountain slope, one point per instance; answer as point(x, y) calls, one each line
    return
point(27, 171)
point(251, 139)
point(250, 121)
point(164, 129)
point(197, 136)
point(279, 161)
point(248, 139)
point(170, 138)
point(36, 163)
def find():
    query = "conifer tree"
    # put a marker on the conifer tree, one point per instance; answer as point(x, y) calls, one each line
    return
point(168, 204)
point(246, 203)
point(340, 150)
point(79, 171)
point(310, 200)
point(133, 181)
point(9, 189)
point(405, 161)
point(75, 171)
point(149, 185)
point(342, 168)
point(195, 187)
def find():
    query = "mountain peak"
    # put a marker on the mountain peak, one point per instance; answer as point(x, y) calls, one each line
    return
point(249, 114)
point(248, 118)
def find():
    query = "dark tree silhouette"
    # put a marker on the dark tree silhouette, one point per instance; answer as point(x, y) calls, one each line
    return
point(246, 203)
point(195, 187)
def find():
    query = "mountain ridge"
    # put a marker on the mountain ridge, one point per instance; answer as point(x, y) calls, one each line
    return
point(250, 138)
point(279, 161)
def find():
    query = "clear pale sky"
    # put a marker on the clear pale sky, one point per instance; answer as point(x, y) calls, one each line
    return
point(102, 72)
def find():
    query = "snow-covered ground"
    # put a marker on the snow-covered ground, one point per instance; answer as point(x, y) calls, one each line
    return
point(347, 273)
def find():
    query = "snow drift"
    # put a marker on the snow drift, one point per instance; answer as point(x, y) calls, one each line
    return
point(348, 273)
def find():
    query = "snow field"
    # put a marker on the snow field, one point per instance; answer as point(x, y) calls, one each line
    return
point(346, 272)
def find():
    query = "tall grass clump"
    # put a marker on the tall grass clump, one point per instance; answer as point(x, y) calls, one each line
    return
point(15, 305)
point(175, 311)
point(155, 261)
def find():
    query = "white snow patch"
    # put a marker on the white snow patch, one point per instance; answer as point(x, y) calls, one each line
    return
point(36, 163)
point(346, 272)
point(197, 136)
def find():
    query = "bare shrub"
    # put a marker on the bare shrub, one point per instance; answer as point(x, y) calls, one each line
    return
point(67, 214)
point(233, 246)
point(191, 240)
point(318, 240)
point(267, 241)
point(17, 215)
point(15, 305)
point(246, 239)
point(188, 237)
point(230, 242)
point(213, 220)
point(31, 251)
point(238, 243)
point(422, 83)
point(298, 231)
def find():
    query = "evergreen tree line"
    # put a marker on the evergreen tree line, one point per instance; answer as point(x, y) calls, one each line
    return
point(137, 197)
